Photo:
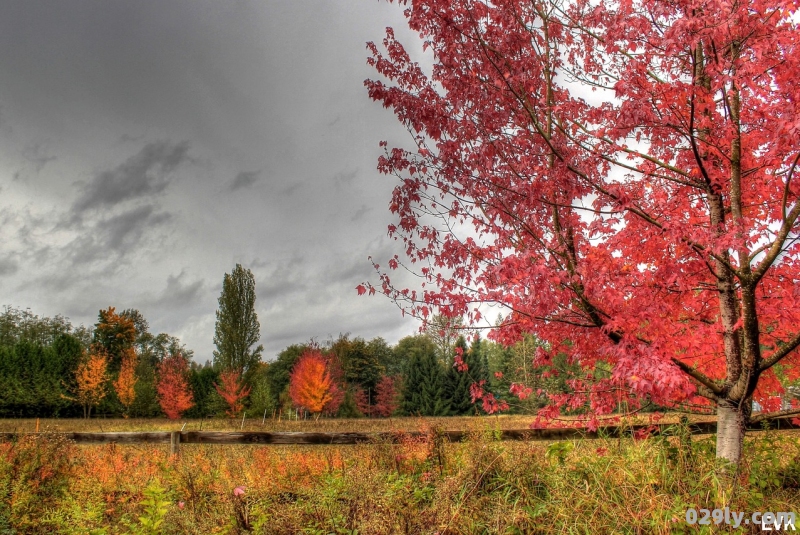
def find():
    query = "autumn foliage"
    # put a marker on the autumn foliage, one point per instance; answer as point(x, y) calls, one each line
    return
point(311, 385)
point(90, 379)
point(233, 391)
point(386, 397)
point(116, 333)
point(126, 380)
point(620, 177)
point(174, 394)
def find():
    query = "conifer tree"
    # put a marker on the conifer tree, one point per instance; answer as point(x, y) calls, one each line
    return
point(459, 378)
point(424, 392)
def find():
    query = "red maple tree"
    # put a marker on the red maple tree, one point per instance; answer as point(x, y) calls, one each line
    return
point(386, 397)
point(620, 177)
point(311, 384)
point(174, 394)
point(233, 391)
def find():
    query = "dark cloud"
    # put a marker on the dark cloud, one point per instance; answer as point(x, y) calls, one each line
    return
point(180, 294)
point(345, 177)
point(284, 279)
point(8, 266)
point(143, 175)
point(245, 179)
point(36, 154)
point(274, 162)
point(361, 212)
point(123, 232)
point(116, 236)
point(289, 191)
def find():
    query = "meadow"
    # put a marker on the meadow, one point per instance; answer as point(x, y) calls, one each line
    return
point(420, 485)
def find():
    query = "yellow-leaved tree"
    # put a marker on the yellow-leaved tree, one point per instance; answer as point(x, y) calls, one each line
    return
point(90, 378)
point(125, 383)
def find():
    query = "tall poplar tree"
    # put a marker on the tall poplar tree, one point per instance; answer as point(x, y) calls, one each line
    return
point(237, 328)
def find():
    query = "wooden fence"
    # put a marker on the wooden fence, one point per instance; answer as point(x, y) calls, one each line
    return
point(176, 438)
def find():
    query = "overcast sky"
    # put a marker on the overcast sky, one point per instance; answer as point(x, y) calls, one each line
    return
point(148, 146)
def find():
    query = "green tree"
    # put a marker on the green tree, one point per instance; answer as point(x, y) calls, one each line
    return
point(391, 365)
point(514, 365)
point(237, 328)
point(359, 365)
point(262, 401)
point(458, 379)
point(145, 403)
point(207, 402)
point(17, 324)
point(38, 357)
point(424, 386)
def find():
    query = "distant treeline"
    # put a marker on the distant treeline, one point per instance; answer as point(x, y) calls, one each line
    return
point(48, 368)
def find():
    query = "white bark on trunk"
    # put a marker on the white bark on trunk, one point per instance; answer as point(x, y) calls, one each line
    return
point(730, 433)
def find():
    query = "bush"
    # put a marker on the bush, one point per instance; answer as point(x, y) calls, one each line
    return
point(35, 475)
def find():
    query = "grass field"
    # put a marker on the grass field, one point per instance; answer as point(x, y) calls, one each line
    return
point(419, 486)
point(287, 424)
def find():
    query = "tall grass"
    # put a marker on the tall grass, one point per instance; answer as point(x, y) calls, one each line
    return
point(421, 485)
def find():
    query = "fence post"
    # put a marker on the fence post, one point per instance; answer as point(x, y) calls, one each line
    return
point(175, 442)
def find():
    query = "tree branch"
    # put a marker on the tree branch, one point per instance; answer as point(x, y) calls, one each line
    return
point(698, 376)
point(781, 353)
point(771, 415)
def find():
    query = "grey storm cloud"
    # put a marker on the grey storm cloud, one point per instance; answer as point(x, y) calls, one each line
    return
point(116, 235)
point(37, 155)
point(125, 230)
point(360, 213)
point(103, 121)
point(245, 179)
point(8, 266)
point(180, 294)
point(345, 178)
point(145, 174)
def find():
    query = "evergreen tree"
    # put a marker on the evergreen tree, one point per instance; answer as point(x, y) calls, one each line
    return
point(262, 401)
point(360, 366)
point(409, 346)
point(35, 379)
point(424, 387)
point(237, 328)
point(145, 403)
point(207, 401)
point(459, 380)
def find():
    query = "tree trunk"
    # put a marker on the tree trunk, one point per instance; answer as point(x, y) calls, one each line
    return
point(731, 424)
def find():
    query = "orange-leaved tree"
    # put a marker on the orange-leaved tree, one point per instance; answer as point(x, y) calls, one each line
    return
point(311, 385)
point(233, 391)
point(174, 394)
point(126, 380)
point(90, 379)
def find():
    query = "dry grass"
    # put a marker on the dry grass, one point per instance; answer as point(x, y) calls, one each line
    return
point(418, 486)
point(336, 425)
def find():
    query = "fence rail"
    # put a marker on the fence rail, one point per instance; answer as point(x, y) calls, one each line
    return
point(176, 438)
